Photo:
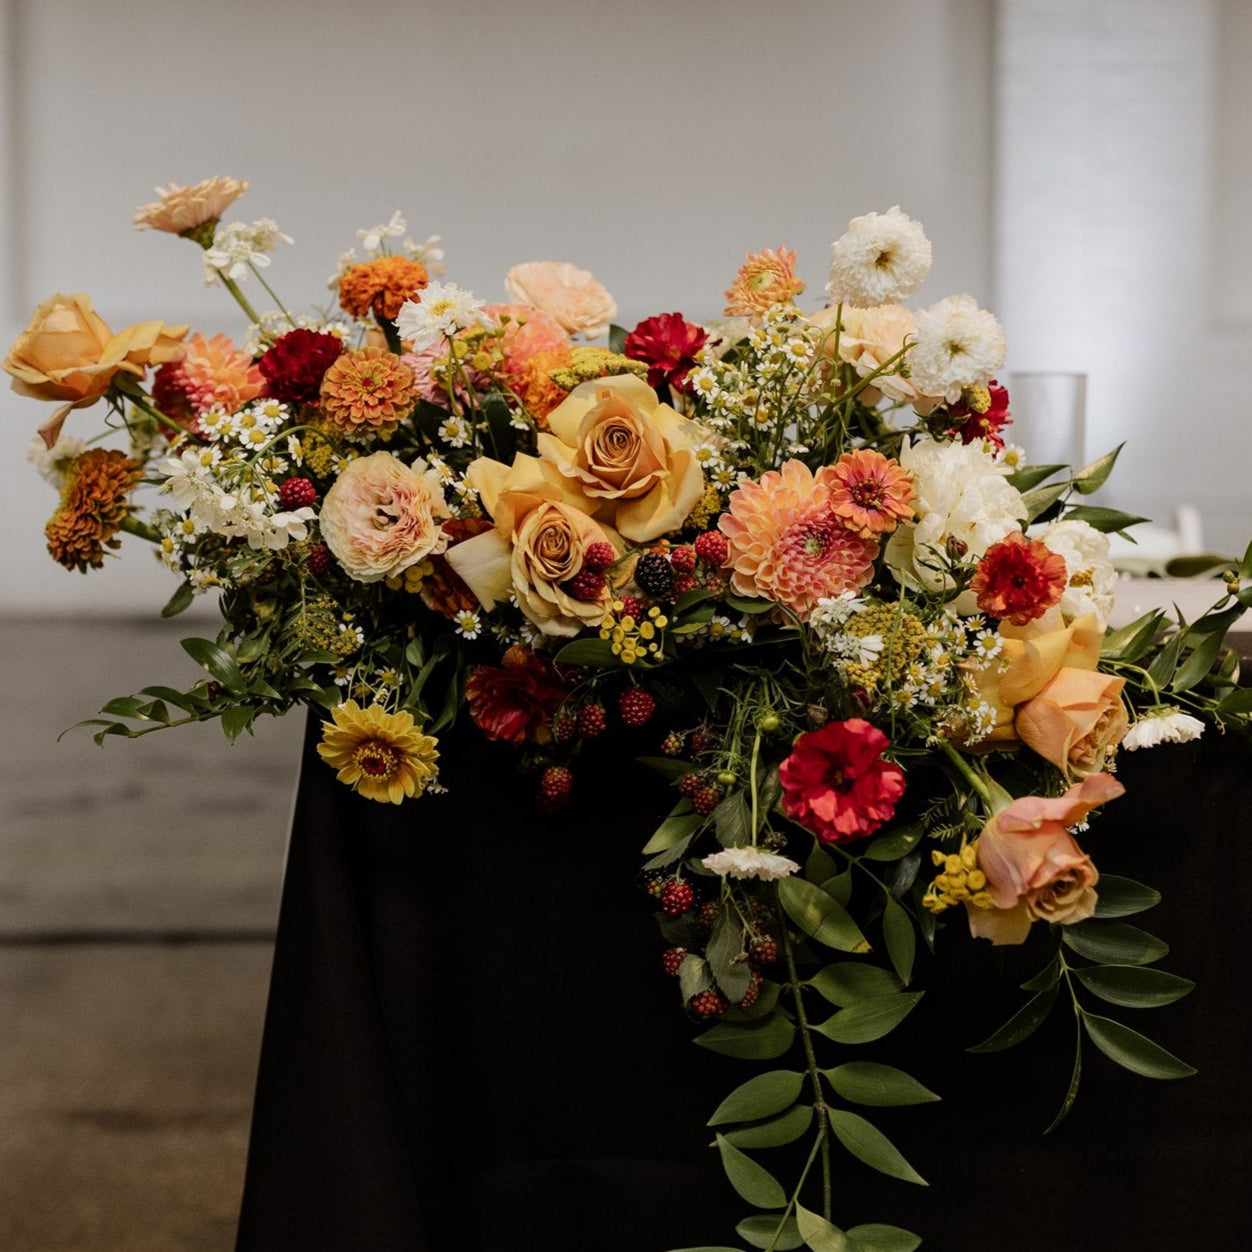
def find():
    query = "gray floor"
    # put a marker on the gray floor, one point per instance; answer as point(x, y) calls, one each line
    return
point(138, 890)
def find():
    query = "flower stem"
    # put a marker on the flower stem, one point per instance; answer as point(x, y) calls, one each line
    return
point(240, 299)
point(967, 772)
point(282, 308)
point(133, 526)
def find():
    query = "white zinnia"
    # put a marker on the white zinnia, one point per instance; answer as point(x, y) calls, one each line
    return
point(442, 309)
point(1162, 725)
point(880, 259)
point(1091, 578)
point(749, 862)
point(958, 345)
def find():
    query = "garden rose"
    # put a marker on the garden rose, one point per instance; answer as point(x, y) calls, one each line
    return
point(379, 517)
point(1035, 869)
point(868, 340)
point(633, 456)
point(570, 295)
point(1075, 720)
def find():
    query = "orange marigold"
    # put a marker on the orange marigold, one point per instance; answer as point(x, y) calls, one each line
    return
point(764, 279)
point(95, 501)
point(535, 386)
point(368, 392)
point(378, 288)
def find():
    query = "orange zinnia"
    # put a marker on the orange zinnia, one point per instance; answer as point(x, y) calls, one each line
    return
point(369, 391)
point(764, 279)
point(95, 501)
point(869, 492)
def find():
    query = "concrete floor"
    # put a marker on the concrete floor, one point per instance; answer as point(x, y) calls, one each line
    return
point(138, 891)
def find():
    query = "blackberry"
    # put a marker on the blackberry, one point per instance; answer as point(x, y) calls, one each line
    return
point(655, 575)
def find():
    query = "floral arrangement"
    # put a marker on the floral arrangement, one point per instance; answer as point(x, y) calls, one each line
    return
point(786, 558)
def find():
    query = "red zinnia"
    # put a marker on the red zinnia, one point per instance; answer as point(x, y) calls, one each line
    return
point(294, 366)
point(1019, 579)
point(975, 426)
point(517, 701)
point(667, 344)
point(836, 784)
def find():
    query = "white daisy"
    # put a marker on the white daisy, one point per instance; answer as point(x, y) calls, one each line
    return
point(749, 862)
point(881, 258)
point(455, 431)
point(441, 309)
point(468, 624)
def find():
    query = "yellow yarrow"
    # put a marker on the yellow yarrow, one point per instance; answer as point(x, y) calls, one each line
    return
point(381, 756)
point(588, 362)
point(903, 639)
point(959, 880)
point(707, 508)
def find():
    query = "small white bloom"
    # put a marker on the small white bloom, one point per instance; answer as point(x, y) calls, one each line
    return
point(239, 246)
point(1164, 724)
point(455, 431)
point(881, 258)
point(749, 862)
point(372, 239)
point(468, 624)
point(441, 309)
point(52, 463)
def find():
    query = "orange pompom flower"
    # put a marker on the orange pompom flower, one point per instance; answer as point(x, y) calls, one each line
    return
point(368, 392)
point(95, 501)
point(764, 279)
point(1019, 579)
point(378, 288)
point(870, 492)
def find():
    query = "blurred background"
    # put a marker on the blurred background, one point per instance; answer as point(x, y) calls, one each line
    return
point(1084, 170)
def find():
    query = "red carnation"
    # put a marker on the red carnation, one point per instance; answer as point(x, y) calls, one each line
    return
point(836, 784)
point(1019, 579)
point(667, 344)
point(973, 426)
point(294, 366)
point(517, 701)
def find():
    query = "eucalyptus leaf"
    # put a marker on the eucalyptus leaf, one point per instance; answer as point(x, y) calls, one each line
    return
point(762, 1096)
point(869, 1082)
point(1133, 1051)
point(876, 1237)
point(1114, 943)
point(867, 1020)
point(1134, 986)
point(771, 1230)
point(750, 1179)
point(820, 916)
point(750, 1041)
point(774, 1132)
point(900, 938)
point(1120, 897)
point(819, 1234)
point(847, 982)
point(868, 1144)
point(1022, 1024)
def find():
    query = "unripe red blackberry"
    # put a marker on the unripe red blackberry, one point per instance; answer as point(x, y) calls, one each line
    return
point(653, 882)
point(753, 992)
point(672, 960)
point(632, 606)
point(689, 784)
point(654, 575)
point(763, 950)
point(635, 706)
point(297, 493)
point(564, 724)
point(556, 784)
point(672, 744)
point(591, 720)
point(713, 548)
point(586, 585)
point(708, 913)
point(598, 557)
point(704, 740)
point(706, 799)
point(318, 560)
point(709, 1003)
point(714, 583)
point(683, 584)
point(683, 558)
point(677, 897)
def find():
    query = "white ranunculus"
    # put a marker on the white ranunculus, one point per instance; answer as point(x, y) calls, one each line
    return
point(1092, 580)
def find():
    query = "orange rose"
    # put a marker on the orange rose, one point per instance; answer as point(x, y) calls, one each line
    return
point(633, 456)
point(68, 354)
point(1075, 720)
point(1035, 870)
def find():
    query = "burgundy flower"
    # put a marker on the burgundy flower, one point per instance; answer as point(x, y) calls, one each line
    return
point(667, 344)
point(973, 426)
point(516, 701)
point(294, 366)
point(836, 784)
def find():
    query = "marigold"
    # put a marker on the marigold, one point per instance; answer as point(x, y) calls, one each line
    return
point(764, 279)
point(788, 545)
point(183, 210)
point(381, 756)
point(380, 287)
point(870, 492)
point(95, 501)
point(368, 391)
point(1019, 579)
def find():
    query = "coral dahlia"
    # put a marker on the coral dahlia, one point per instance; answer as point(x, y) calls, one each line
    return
point(1019, 579)
point(786, 542)
point(214, 374)
point(836, 784)
point(764, 279)
point(870, 492)
point(382, 756)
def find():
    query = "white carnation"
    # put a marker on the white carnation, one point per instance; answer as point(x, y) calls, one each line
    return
point(880, 259)
point(749, 862)
point(1092, 580)
point(1162, 725)
point(958, 345)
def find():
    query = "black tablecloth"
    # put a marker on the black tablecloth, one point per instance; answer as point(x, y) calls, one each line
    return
point(470, 1046)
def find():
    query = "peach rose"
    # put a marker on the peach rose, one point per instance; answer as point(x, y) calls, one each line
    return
point(542, 528)
point(570, 295)
point(68, 354)
point(1035, 870)
point(1075, 720)
point(870, 338)
point(379, 517)
point(633, 456)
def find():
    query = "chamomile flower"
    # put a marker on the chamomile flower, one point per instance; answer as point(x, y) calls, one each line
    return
point(455, 431)
point(468, 624)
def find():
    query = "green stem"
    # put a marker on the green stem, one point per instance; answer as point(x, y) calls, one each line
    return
point(282, 308)
point(240, 299)
point(133, 526)
point(140, 401)
point(756, 752)
point(795, 1195)
point(963, 767)
point(391, 334)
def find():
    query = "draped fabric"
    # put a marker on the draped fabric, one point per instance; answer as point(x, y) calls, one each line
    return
point(470, 1045)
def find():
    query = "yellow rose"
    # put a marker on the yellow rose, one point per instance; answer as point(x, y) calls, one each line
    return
point(634, 457)
point(68, 354)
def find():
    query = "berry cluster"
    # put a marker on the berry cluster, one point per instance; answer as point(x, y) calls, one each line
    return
point(670, 572)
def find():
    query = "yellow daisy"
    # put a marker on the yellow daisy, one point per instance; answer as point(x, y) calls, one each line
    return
point(382, 756)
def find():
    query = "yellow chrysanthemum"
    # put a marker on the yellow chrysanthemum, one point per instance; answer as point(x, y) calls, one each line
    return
point(382, 756)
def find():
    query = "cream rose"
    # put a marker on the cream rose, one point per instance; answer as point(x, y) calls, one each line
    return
point(570, 295)
point(68, 354)
point(380, 517)
point(868, 340)
point(631, 455)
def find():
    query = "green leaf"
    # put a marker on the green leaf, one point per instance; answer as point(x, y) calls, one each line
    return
point(709, 1248)
point(762, 1096)
point(694, 976)
point(1239, 701)
point(1133, 1051)
point(818, 915)
point(1134, 986)
point(876, 1237)
point(1198, 664)
point(1032, 475)
point(724, 946)
point(900, 938)
point(674, 829)
point(762, 1231)
point(216, 660)
point(732, 819)
point(1114, 943)
point(236, 720)
point(597, 653)
point(1046, 977)
point(180, 600)
point(774, 1132)
point(1092, 477)
point(1021, 1025)
point(819, 1234)
point(867, 1143)
point(839, 887)
point(1131, 641)
point(1120, 897)
point(868, 1020)
point(895, 844)
point(668, 767)
point(1041, 499)
point(697, 595)
point(750, 1041)
point(741, 604)
point(820, 865)
point(1071, 1092)
point(179, 699)
point(617, 339)
point(1198, 565)
point(752, 1181)
point(125, 706)
point(1166, 660)
point(868, 1082)
point(847, 982)
point(1107, 520)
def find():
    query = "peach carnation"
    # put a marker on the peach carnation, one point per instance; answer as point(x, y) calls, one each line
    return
point(379, 517)
point(870, 492)
point(181, 210)
point(573, 298)
point(787, 544)
point(764, 279)
point(368, 392)
point(215, 375)
point(380, 287)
